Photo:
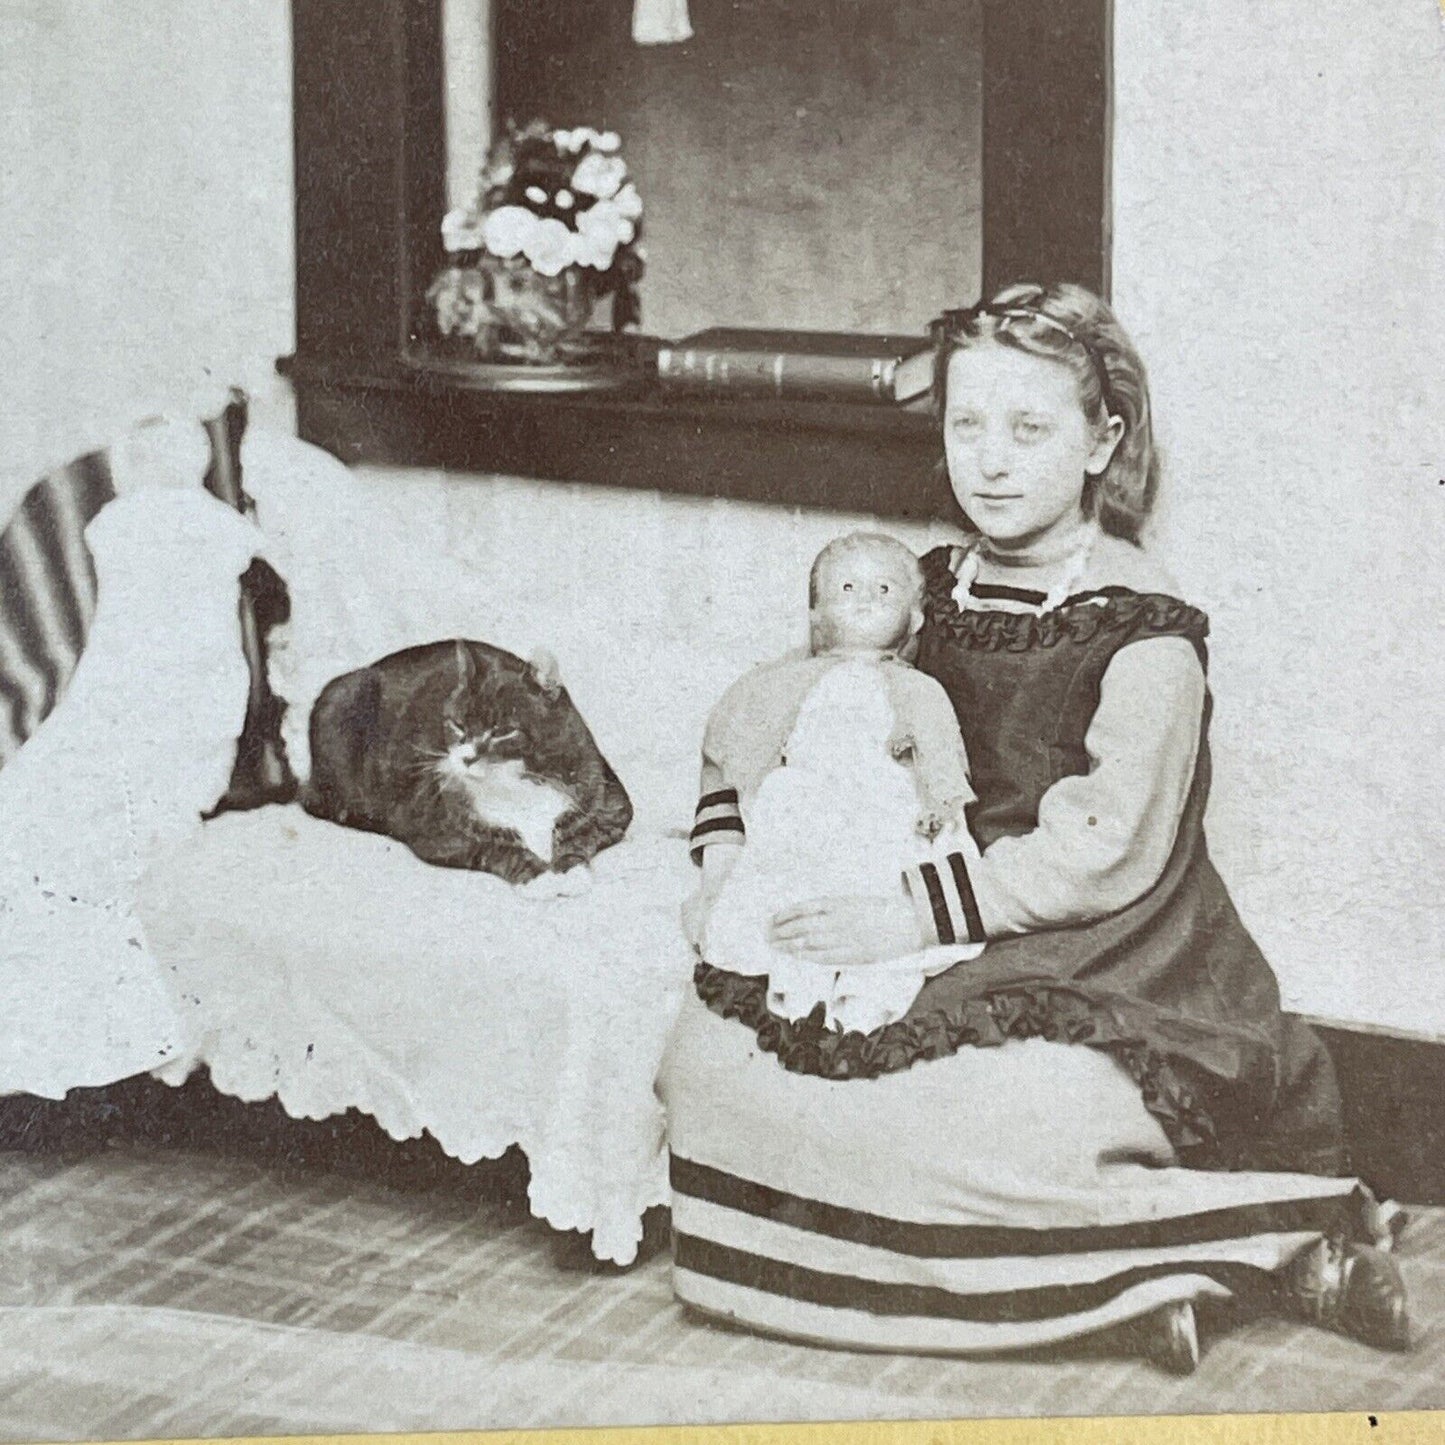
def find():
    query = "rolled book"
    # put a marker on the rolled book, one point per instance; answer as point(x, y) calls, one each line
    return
point(799, 365)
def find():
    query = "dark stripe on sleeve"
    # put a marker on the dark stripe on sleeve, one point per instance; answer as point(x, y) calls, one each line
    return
point(717, 825)
point(844, 1291)
point(971, 916)
point(936, 901)
point(713, 800)
point(992, 1241)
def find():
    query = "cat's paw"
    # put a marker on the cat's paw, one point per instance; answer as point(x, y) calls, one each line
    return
point(574, 881)
point(543, 887)
point(549, 885)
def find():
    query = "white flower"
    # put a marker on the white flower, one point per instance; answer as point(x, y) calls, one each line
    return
point(606, 220)
point(601, 229)
point(571, 140)
point(549, 248)
point(461, 231)
point(595, 249)
point(609, 142)
point(536, 195)
point(602, 219)
point(507, 230)
point(599, 175)
point(628, 202)
point(564, 199)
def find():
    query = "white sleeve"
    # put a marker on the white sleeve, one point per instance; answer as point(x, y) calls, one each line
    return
point(1103, 837)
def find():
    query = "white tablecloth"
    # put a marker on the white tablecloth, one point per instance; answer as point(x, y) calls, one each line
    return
point(333, 969)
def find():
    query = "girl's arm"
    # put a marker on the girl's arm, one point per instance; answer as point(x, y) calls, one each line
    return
point(1104, 837)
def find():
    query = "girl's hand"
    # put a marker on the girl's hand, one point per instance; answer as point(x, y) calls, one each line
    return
point(846, 932)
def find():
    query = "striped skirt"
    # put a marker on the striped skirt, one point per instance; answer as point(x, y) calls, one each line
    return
point(998, 1199)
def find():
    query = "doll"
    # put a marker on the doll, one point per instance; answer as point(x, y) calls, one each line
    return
point(827, 774)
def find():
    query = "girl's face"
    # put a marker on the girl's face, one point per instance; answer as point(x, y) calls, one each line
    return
point(1017, 444)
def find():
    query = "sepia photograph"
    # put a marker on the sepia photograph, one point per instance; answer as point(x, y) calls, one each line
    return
point(720, 712)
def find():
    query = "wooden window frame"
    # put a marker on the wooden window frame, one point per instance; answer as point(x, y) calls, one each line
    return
point(371, 183)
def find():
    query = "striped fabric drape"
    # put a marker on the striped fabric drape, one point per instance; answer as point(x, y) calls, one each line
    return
point(47, 577)
point(47, 593)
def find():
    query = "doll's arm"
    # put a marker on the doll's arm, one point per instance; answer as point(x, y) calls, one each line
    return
point(716, 840)
point(717, 824)
point(751, 721)
point(928, 729)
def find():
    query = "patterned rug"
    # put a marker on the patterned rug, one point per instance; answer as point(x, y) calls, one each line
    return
point(149, 1291)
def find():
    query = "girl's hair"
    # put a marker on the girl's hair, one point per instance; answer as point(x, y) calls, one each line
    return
point(1074, 327)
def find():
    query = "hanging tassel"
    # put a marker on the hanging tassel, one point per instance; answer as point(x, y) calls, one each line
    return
point(660, 22)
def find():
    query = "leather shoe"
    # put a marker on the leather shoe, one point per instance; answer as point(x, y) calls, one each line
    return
point(1354, 1289)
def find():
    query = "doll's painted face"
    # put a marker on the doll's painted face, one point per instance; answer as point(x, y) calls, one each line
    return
point(866, 595)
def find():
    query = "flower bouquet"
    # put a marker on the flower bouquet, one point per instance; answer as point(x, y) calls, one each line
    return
point(554, 229)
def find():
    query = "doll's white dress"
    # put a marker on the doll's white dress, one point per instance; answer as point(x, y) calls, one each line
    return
point(838, 819)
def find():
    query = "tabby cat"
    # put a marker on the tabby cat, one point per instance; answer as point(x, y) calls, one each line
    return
point(468, 755)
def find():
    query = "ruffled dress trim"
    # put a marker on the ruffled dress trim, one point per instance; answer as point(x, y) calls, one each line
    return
point(1078, 619)
point(1022, 1011)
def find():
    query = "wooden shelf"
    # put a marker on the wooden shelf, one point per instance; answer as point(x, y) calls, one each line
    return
point(865, 458)
point(625, 393)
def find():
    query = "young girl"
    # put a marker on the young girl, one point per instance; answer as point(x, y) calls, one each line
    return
point(1105, 1117)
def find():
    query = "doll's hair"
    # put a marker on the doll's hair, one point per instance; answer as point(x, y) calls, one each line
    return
point(1074, 327)
point(863, 542)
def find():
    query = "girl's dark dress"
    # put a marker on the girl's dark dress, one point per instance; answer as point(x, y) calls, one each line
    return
point(904, 1189)
point(1173, 985)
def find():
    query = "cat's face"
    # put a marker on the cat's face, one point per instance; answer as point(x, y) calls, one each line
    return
point(491, 719)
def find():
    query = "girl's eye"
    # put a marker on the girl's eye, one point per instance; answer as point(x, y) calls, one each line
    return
point(965, 425)
point(455, 731)
point(1027, 429)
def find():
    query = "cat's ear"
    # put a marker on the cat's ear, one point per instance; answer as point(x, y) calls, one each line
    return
point(545, 672)
point(466, 664)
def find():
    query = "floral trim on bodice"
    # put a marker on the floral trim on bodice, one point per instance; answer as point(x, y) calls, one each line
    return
point(1079, 619)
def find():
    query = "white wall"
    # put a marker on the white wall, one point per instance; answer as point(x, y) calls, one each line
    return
point(1280, 178)
point(1280, 257)
point(145, 215)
